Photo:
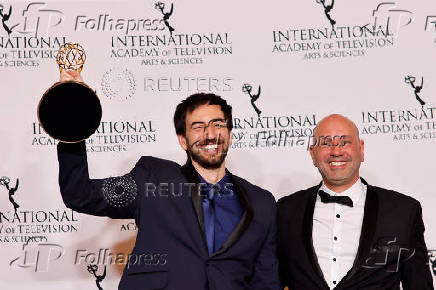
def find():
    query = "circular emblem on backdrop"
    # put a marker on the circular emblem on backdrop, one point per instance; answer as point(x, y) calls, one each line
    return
point(119, 191)
point(119, 84)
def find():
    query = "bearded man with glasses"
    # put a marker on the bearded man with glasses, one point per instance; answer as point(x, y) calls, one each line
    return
point(199, 226)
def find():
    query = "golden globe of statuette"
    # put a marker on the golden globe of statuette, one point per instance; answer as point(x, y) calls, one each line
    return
point(70, 111)
point(71, 56)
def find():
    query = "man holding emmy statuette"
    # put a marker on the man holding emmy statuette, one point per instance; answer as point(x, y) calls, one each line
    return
point(208, 228)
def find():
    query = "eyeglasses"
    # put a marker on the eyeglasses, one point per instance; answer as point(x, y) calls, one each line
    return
point(215, 124)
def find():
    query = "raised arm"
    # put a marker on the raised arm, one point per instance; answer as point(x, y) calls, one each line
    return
point(116, 197)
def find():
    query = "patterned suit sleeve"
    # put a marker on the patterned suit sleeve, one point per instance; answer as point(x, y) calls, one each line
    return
point(265, 275)
point(115, 197)
point(415, 272)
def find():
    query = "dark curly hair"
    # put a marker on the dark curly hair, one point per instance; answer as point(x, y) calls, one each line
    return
point(194, 101)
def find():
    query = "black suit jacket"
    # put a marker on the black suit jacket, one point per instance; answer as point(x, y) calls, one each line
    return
point(170, 250)
point(391, 247)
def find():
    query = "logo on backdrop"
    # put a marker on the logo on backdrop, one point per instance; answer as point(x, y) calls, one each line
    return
point(432, 261)
point(5, 17)
point(24, 226)
point(20, 226)
point(161, 6)
point(38, 256)
point(247, 88)
point(118, 83)
point(327, 10)
point(352, 40)
point(129, 227)
point(416, 89)
point(28, 29)
point(430, 24)
point(92, 269)
point(157, 47)
point(389, 15)
point(270, 131)
point(111, 136)
point(5, 182)
point(38, 19)
point(403, 124)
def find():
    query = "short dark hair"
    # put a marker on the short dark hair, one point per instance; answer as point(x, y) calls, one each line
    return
point(194, 101)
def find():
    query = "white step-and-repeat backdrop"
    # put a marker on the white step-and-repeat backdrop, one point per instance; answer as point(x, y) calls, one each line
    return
point(370, 60)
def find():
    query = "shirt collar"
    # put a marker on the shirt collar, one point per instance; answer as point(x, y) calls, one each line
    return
point(224, 186)
point(225, 180)
point(356, 192)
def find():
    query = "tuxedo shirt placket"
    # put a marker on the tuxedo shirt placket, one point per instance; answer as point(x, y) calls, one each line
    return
point(336, 233)
point(337, 245)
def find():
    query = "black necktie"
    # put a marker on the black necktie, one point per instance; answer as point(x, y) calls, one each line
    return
point(327, 198)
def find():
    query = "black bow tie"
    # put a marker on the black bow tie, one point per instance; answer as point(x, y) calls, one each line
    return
point(327, 198)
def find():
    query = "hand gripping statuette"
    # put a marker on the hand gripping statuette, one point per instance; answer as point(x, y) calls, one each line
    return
point(70, 111)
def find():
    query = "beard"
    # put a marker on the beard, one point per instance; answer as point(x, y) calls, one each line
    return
point(208, 162)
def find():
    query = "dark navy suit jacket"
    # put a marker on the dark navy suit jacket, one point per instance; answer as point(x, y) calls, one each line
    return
point(170, 250)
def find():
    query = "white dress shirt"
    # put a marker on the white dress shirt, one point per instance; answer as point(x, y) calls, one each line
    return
point(336, 232)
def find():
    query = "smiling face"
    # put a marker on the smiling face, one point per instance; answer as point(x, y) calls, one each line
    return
point(207, 138)
point(337, 158)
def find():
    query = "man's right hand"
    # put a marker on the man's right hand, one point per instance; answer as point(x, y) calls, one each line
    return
point(70, 75)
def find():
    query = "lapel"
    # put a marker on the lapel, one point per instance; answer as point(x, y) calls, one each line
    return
point(246, 218)
point(307, 234)
point(368, 229)
point(191, 176)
